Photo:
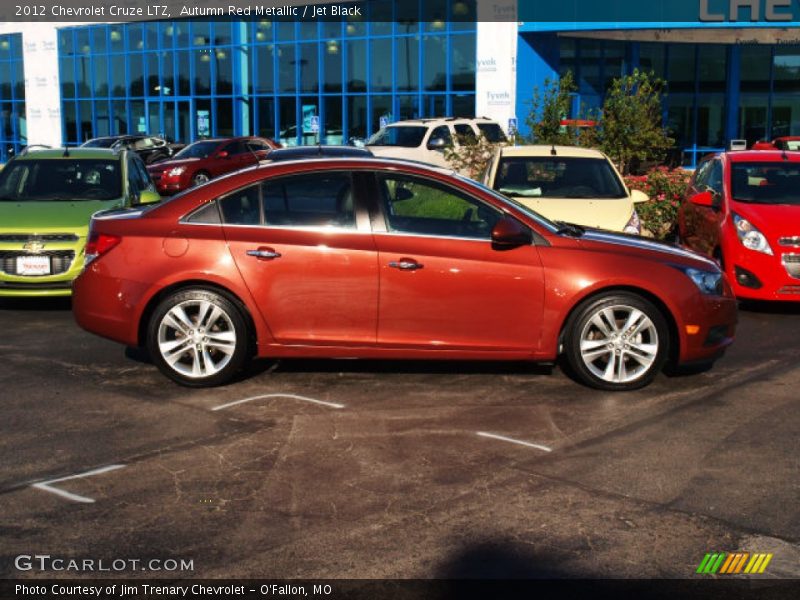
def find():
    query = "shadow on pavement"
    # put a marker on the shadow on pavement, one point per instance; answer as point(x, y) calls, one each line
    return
point(297, 365)
point(62, 303)
point(770, 308)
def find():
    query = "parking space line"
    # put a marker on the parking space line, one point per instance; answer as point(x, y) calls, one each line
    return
point(47, 485)
point(503, 438)
point(290, 396)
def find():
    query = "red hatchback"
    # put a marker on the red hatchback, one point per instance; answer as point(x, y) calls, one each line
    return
point(371, 258)
point(743, 209)
point(204, 160)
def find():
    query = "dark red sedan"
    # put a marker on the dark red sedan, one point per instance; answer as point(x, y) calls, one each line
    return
point(377, 258)
point(204, 160)
point(743, 209)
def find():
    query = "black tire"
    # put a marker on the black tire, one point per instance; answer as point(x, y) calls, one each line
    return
point(200, 178)
point(219, 344)
point(638, 352)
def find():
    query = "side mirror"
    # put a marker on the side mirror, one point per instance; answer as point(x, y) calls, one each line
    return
point(222, 154)
point(437, 143)
point(638, 196)
point(402, 193)
point(149, 197)
point(704, 199)
point(509, 233)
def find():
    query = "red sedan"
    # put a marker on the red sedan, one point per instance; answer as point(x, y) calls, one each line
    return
point(743, 209)
point(378, 258)
point(204, 160)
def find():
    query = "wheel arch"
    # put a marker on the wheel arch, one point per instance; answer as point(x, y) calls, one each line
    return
point(156, 298)
point(669, 317)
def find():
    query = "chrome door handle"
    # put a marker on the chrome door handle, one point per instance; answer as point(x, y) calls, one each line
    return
point(406, 265)
point(268, 254)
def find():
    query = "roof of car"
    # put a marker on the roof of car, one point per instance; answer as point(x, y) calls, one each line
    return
point(73, 153)
point(763, 156)
point(547, 150)
point(299, 152)
point(442, 121)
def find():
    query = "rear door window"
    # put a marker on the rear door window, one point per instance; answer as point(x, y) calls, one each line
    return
point(310, 200)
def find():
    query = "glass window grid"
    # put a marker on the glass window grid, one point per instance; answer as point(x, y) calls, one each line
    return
point(142, 40)
point(696, 97)
point(12, 96)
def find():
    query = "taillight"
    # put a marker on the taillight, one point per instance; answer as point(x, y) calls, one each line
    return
point(98, 244)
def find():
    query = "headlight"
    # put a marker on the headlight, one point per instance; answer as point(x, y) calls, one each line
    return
point(708, 282)
point(176, 171)
point(634, 225)
point(751, 237)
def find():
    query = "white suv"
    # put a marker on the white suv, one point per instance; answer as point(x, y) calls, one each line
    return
point(425, 139)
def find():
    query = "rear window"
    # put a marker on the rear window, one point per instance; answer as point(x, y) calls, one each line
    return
point(557, 177)
point(61, 179)
point(766, 183)
point(402, 136)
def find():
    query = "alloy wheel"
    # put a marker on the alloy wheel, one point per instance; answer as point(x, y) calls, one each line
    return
point(619, 344)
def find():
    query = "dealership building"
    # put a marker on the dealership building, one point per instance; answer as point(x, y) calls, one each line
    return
point(732, 67)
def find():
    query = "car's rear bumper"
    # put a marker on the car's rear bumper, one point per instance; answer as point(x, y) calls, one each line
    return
point(106, 306)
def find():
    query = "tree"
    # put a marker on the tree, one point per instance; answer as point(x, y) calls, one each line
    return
point(549, 106)
point(630, 128)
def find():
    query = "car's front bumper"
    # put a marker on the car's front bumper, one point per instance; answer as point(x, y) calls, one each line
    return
point(66, 263)
point(708, 327)
point(759, 276)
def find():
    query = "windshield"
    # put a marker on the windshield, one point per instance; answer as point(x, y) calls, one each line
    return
point(791, 145)
point(766, 183)
point(492, 132)
point(403, 136)
point(100, 143)
point(557, 177)
point(541, 219)
point(61, 179)
point(197, 150)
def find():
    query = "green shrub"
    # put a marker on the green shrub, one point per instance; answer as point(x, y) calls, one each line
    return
point(665, 187)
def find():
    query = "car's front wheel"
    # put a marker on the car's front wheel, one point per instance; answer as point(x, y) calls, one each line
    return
point(198, 338)
point(200, 178)
point(618, 341)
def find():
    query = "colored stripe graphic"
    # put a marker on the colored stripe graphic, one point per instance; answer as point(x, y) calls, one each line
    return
point(703, 563)
point(730, 564)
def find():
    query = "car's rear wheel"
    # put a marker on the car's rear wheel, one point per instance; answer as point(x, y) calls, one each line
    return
point(618, 341)
point(198, 338)
point(201, 178)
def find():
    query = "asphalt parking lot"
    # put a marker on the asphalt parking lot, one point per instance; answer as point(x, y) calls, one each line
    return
point(344, 469)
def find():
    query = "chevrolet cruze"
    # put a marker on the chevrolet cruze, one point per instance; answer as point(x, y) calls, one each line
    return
point(380, 258)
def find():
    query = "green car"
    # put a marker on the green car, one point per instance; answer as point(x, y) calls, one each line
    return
point(47, 198)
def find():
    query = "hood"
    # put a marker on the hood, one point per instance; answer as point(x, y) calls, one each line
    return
point(165, 165)
point(773, 220)
point(417, 154)
point(668, 252)
point(54, 217)
point(601, 213)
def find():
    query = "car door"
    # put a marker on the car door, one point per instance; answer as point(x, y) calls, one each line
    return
point(689, 216)
point(443, 286)
point(706, 221)
point(307, 256)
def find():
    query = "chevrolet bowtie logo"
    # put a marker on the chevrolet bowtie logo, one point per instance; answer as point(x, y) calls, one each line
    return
point(34, 246)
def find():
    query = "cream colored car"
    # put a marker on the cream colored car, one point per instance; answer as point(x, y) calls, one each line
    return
point(564, 183)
